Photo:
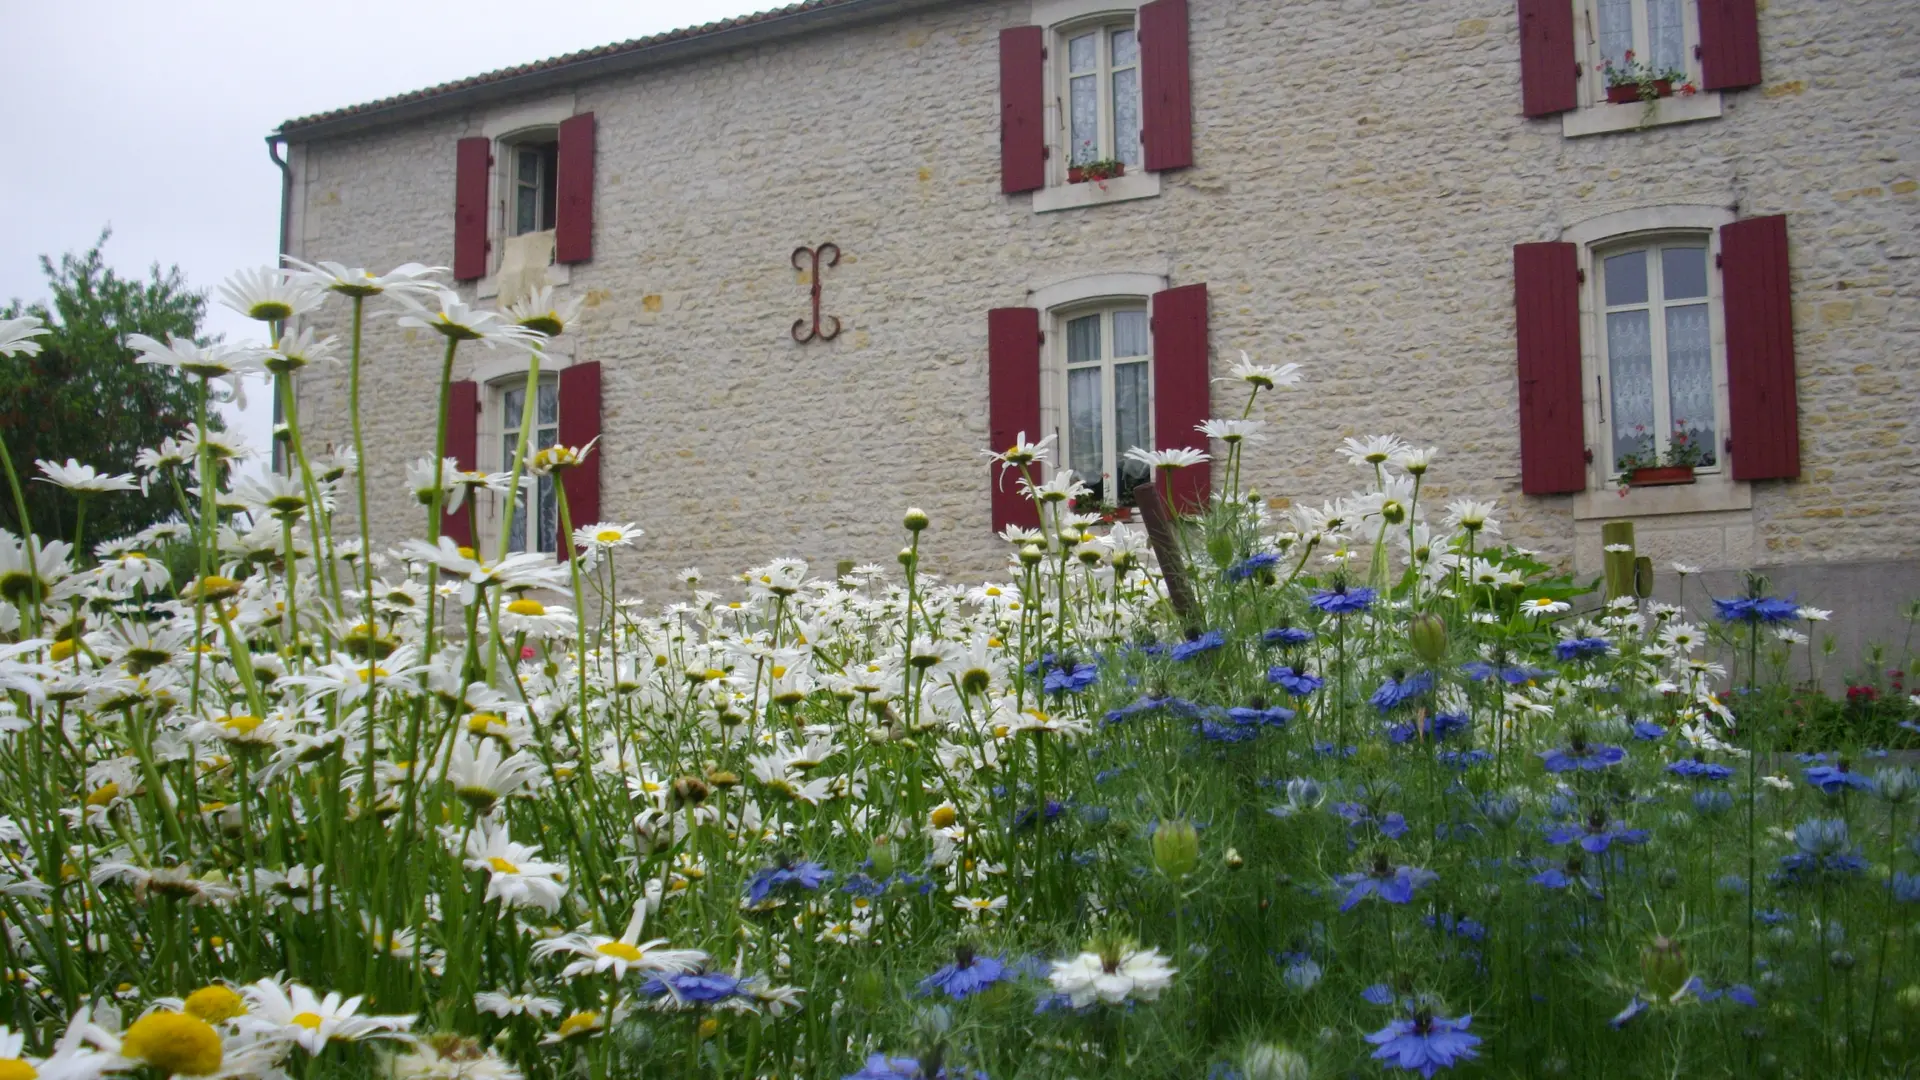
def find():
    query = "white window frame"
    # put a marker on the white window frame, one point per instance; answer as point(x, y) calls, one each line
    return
point(1106, 103)
point(1595, 114)
point(507, 127)
point(496, 375)
point(545, 198)
point(1063, 19)
point(1714, 489)
point(1059, 371)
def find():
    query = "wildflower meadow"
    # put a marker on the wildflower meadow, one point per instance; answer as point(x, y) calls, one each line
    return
point(1351, 790)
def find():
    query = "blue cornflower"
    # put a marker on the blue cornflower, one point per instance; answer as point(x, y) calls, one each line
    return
point(1394, 884)
point(1905, 888)
point(967, 975)
point(1597, 835)
point(1756, 609)
point(1834, 779)
point(1302, 974)
point(1340, 600)
point(1581, 755)
point(1425, 1043)
point(1260, 714)
point(1063, 680)
point(1513, 675)
point(802, 876)
point(693, 988)
point(1294, 681)
point(1286, 636)
point(1397, 691)
point(1253, 564)
point(1192, 647)
point(1582, 648)
point(1377, 994)
point(1648, 731)
point(1694, 769)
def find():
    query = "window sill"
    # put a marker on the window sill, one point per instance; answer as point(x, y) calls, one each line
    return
point(1605, 117)
point(1708, 495)
point(1141, 185)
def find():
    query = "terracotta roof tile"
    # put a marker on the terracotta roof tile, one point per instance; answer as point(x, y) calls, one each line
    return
point(597, 53)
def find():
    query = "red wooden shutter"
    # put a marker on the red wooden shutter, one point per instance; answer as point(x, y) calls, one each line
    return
point(1546, 297)
point(1013, 406)
point(1182, 387)
point(1763, 427)
point(1729, 44)
point(473, 163)
point(1166, 86)
point(580, 425)
point(573, 188)
point(463, 443)
point(1548, 72)
point(1023, 109)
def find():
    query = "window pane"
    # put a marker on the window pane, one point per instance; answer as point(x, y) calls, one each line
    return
point(1085, 447)
point(549, 515)
point(1129, 333)
point(1083, 339)
point(1627, 279)
point(1126, 115)
point(513, 402)
point(548, 405)
point(1683, 273)
point(1084, 103)
point(517, 528)
point(1130, 419)
point(526, 209)
point(1126, 48)
point(1083, 53)
point(1669, 40)
point(1690, 377)
point(1630, 369)
point(1616, 30)
point(529, 164)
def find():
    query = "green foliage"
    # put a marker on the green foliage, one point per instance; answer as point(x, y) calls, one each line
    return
point(83, 397)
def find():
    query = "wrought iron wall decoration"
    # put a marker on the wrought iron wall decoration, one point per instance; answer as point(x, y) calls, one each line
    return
point(824, 255)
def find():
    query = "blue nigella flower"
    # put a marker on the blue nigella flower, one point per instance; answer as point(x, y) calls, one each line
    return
point(1286, 636)
point(697, 988)
point(1905, 888)
point(1327, 749)
point(1582, 648)
point(1464, 759)
point(1700, 770)
point(797, 876)
point(1062, 680)
point(1253, 564)
point(1513, 675)
point(1398, 691)
point(1835, 779)
point(1826, 850)
point(1377, 994)
point(1756, 609)
point(1712, 802)
point(1597, 835)
point(862, 885)
point(1458, 926)
point(883, 1067)
point(1295, 682)
point(1424, 1043)
point(1626, 1016)
point(1260, 714)
point(1204, 643)
point(1582, 755)
point(1214, 731)
point(1573, 874)
point(1394, 884)
point(1340, 600)
point(1648, 731)
point(967, 975)
point(1738, 992)
point(1302, 974)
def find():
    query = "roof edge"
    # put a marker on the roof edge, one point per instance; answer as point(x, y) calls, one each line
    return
point(644, 53)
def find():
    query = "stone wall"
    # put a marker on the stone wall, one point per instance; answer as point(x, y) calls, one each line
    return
point(1363, 171)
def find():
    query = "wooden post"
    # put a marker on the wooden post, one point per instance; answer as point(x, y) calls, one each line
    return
point(1166, 547)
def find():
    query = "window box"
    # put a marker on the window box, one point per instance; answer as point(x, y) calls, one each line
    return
point(1080, 174)
point(1628, 93)
point(1660, 476)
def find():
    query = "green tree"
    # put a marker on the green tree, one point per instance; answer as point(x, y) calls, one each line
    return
point(84, 397)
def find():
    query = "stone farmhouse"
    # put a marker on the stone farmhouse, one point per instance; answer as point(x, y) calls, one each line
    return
point(832, 252)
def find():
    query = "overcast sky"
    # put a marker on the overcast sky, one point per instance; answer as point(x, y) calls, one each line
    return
point(151, 117)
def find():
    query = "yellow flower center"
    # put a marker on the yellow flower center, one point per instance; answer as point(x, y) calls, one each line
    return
point(63, 650)
point(523, 606)
point(104, 794)
point(579, 1023)
point(501, 865)
point(310, 1021)
point(174, 1043)
point(369, 676)
point(215, 1003)
point(944, 817)
point(484, 723)
point(608, 536)
point(779, 672)
point(240, 725)
point(15, 1069)
point(620, 950)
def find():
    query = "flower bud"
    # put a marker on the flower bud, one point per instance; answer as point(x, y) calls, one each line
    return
point(1030, 555)
point(916, 520)
point(1909, 997)
point(1664, 966)
point(1220, 548)
point(907, 557)
point(1176, 848)
point(1427, 633)
point(1265, 1061)
point(1234, 860)
point(881, 855)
